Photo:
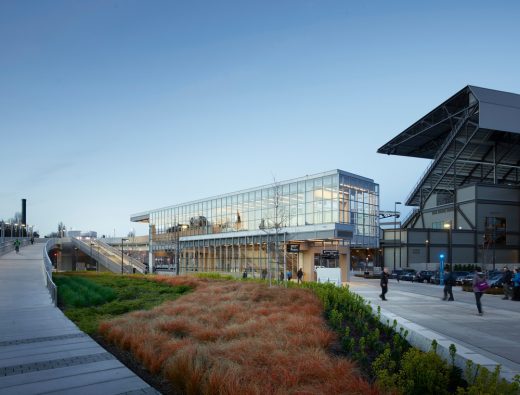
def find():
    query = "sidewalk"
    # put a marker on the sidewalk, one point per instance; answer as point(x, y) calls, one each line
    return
point(487, 340)
point(41, 350)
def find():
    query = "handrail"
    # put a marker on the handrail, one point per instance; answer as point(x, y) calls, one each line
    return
point(53, 290)
point(408, 217)
point(130, 260)
point(112, 263)
point(101, 258)
point(8, 246)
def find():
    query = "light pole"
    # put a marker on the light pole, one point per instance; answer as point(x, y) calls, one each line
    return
point(91, 244)
point(450, 257)
point(122, 242)
point(395, 232)
point(427, 243)
point(97, 260)
point(75, 259)
point(494, 243)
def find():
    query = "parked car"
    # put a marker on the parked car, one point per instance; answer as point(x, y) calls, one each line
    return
point(435, 279)
point(424, 276)
point(396, 273)
point(468, 280)
point(496, 281)
point(459, 277)
point(408, 275)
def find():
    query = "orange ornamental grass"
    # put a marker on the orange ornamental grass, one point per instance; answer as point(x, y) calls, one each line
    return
point(232, 338)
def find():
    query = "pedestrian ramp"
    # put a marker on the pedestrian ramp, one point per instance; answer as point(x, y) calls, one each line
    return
point(41, 350)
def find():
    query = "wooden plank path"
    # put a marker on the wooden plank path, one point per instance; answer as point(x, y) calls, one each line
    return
point(41, 350)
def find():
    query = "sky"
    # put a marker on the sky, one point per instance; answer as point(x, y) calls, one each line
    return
point(111, 108)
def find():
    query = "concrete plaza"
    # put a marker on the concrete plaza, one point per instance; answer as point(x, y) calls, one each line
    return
point(488, 340)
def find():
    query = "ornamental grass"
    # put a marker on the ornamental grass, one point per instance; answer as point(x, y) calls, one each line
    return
point(228, 337)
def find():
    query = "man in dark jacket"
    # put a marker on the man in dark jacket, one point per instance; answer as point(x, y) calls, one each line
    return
point(384, 283)
point(507, 283)
point(449, 282)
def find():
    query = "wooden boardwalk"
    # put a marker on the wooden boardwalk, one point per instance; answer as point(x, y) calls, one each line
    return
point(41, 350)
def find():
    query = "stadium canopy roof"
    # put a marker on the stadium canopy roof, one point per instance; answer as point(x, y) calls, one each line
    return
point(474, 136)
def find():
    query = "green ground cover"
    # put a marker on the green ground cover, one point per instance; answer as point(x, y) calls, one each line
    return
point(89, 298)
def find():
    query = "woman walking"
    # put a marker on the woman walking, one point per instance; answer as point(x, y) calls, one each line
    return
point(478, 289)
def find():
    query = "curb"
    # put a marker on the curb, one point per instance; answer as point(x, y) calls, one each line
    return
point(421, 338)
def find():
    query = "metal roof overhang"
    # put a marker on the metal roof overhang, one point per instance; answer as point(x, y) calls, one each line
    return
point(143, 217)
point(474, 136)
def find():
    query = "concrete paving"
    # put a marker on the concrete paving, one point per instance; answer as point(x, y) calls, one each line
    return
point(488, 340)
point(41, 350)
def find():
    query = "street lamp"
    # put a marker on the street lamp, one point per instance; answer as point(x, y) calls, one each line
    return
point(75, 259)
point(395, 233)
point(122, 242)
point(91, 244)
point(97, 260)
point(427, 243)
point(450, 254)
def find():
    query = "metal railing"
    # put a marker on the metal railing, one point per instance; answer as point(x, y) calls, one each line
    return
point(108, 256)
point(409, 217)
point(8, 246)
point(53, 290)
point(129, 261)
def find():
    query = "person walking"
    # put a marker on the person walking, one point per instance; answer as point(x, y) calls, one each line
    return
point(478, 290)
point(507, 278)
point(384, 283)
point(516, 285)
point(299, 275)
point(17, 245)
point(449, 282)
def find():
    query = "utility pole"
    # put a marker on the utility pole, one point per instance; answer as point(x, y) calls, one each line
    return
point(122, 242)
point(395, 234)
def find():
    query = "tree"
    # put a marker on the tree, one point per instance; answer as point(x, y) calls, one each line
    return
point(61, 230)
point(276, 223)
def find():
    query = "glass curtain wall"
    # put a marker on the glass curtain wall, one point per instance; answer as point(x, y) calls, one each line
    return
point(333, 197)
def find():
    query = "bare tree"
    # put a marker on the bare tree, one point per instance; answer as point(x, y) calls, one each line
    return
point(61, 230)
point(276, 224)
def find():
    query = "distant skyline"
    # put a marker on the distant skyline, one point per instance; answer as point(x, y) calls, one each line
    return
point(110, 108)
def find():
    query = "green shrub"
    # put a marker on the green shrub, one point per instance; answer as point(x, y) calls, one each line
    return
point(423, 373)
point(483, 382)
point(385, 371)
point(417, 373)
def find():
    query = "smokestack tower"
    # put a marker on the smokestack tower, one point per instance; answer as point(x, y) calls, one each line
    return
point(24, 211)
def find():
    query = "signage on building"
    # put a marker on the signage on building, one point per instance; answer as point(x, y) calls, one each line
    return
point(293, 248)
point(330, 253)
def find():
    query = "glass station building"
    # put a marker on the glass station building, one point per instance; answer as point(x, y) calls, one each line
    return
point(311, 221)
